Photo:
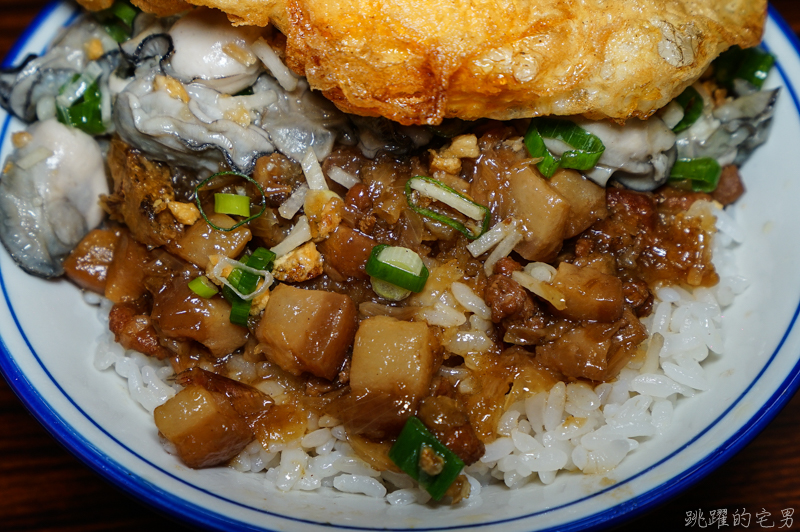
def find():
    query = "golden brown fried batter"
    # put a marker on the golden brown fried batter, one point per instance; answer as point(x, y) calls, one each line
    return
point(418, 61)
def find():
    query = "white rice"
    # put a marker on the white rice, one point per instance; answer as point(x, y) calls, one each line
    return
point(147, 377)
point(572, 427)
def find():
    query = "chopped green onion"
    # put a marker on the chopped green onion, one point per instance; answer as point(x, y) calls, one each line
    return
point(203, 287)
point(752, 65)
point(588, 148)
point(240, 309)
point(261, 259)
point(387, 290)
point(409, 447)
point(725, 66)
point(246, 283)
point(755, 66)
point(117, 20)
point(117, 31)
point(236, 276)
point(439, 191)
point(701, 174)
point(232, 204)
point(242, 222)
point(85, 114)
point(692, 104)
point(240, 280)
point(398, 266)
point(124, 11)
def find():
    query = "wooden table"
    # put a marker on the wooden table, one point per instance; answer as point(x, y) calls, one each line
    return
point(43, 487)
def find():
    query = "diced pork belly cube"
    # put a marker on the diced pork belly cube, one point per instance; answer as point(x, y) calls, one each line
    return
point(543, 214)
point(125, 278)
point(392, 357)
point(347, 251)
point(589, 293)
point(200, 241)
point(307, 330)
point(180, 313)
point(580, 353)
point(133, 329)
point(203, 426)
point(587, 200)
point(87, 265)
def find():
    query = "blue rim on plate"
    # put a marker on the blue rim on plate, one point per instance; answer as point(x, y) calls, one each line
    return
point(168, 503)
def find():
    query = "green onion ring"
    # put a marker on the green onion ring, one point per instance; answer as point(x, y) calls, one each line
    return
point(246, 282)
point(261, 259)
point(405, 453)
point(395, 275)
point(240, 310)
point(751, 64)
point(755, 66)
point(588, 147)
point(701, 173)
point(117, 20)
point(241, 223)
point(85, 113)
point(124, 11)
point(231, 204)
point(692, 104)
point(203, 287)
point(387, 290)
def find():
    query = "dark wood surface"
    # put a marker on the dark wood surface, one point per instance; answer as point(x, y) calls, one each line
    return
point(44, 488)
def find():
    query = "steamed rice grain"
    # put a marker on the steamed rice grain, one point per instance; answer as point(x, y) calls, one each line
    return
point(572, 427)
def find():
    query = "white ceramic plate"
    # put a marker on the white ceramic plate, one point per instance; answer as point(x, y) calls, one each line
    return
point(48, 336)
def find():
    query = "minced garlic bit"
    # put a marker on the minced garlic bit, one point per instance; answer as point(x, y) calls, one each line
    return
point(448, 159)
point(430, 461)
point(260, 301)
point(324, 211)
point(245, 57)
point(94, 49)
point(213, 260)
point(464, 146)
point(172, 86)
point(185, 213)
point(300, 264)
point(238, 114)
point(20, 139)
point(516, 144)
